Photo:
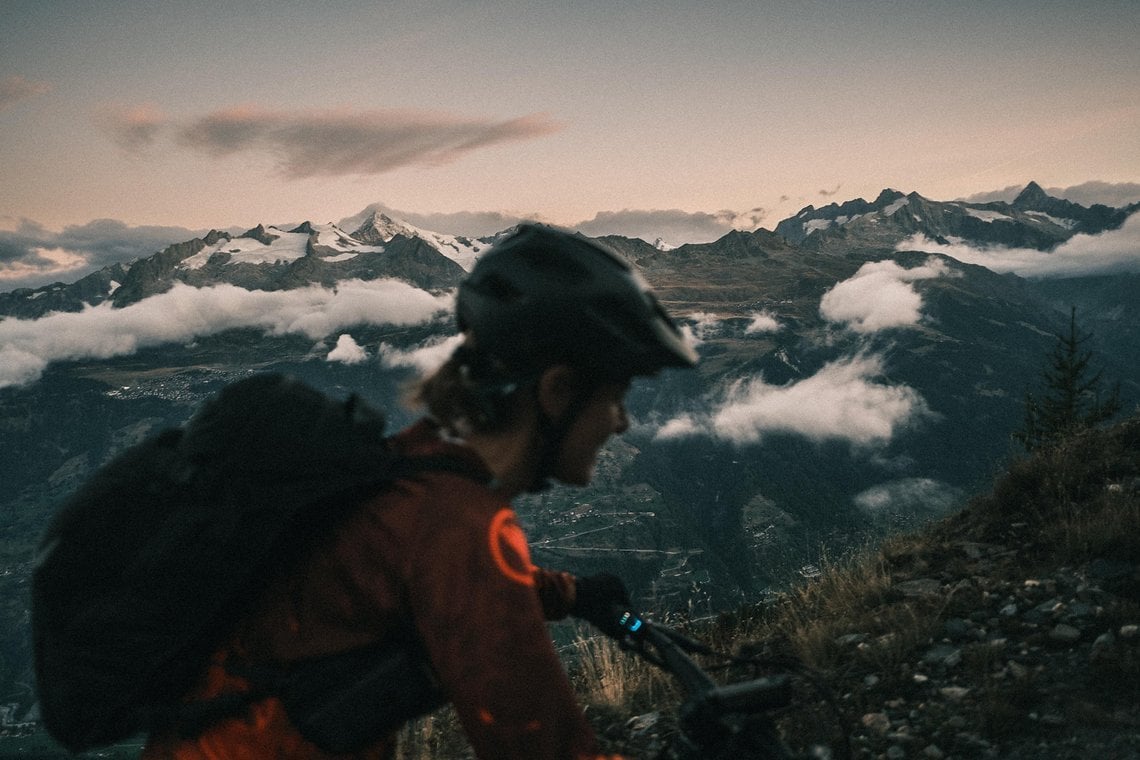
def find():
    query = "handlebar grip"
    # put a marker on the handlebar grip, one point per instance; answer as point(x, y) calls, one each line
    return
point(750, 696)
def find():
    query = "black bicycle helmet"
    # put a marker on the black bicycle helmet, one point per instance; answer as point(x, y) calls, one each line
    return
point(543, 296)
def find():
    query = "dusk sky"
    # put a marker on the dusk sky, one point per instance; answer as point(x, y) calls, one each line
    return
point(127, 123)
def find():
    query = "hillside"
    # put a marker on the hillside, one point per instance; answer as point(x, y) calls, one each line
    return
point(1010, 629)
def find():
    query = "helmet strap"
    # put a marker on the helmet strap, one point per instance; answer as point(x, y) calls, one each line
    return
point(552, 436)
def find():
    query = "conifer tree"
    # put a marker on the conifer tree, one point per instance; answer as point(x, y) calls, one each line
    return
point(1072, 400)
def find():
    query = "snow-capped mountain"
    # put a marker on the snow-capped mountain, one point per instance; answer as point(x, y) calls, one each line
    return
point(378, 246)
point(273, 245)
point(381, 228)
point(267, 258)
point(1032, 220)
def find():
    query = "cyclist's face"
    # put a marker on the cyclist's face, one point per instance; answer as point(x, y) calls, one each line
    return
point(603, 415)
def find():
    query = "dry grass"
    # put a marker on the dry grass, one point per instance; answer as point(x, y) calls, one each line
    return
point(1107, 527)
point(1082, 493)
point(433, 736)
point(604, 674)
point(857, 597)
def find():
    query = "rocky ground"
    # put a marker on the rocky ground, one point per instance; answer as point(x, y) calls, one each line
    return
point(1015, 664)
point(1008, 630)
point(1022, 664)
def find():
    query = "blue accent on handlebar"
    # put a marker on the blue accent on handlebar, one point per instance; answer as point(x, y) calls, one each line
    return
point(630, 622)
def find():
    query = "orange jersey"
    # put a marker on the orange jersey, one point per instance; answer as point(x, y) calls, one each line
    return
point(442, 551)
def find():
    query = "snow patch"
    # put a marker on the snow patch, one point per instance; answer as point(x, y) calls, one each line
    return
point(891, 209)
point(986, 215)
point(289, 246)
point(462, 250)
point(1066, 223)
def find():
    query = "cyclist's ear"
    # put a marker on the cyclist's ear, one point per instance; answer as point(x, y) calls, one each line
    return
point(558, 387)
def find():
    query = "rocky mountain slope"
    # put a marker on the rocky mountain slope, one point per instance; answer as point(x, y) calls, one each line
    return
point(1032, 220)
point(266, 258)
point(1008, 630)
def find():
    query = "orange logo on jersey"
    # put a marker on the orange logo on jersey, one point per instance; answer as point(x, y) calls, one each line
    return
point(509, 548)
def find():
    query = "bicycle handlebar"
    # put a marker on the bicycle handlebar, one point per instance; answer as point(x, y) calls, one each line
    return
point(712, 716)
point(705, 695)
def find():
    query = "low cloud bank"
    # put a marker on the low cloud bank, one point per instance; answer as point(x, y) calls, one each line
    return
point(672, 226)
point(185, 313)
point(32, 255)
point(1114, 194)
point(843, 401)
point(699, 326)
point(1111, 252)
point(879, 296)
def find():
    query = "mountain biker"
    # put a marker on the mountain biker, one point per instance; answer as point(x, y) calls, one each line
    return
point(554, 327)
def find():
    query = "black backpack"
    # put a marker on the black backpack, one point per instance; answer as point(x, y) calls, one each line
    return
point(143, 572)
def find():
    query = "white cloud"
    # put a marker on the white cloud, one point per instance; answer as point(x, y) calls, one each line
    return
point(347, 351)
point(842, 401)
point(425, 358)
point(32, 255)
point(311, 143)
point(763, 322)
point(703, 327)
point(879, 296)
point(185, 313)
point(1113, 251)
point(908, 496)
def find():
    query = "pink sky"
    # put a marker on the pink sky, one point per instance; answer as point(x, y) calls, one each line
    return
point(181, 116)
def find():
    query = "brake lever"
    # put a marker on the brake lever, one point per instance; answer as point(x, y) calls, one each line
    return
point(689, 645)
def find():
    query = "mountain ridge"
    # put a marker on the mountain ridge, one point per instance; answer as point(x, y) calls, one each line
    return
point(1033, 220)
